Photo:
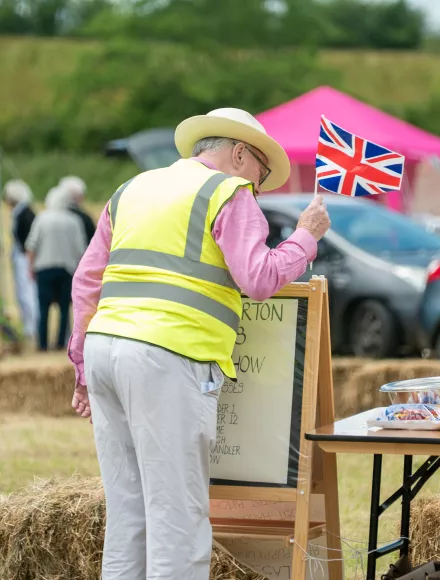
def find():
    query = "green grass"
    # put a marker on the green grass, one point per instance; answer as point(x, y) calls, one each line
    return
point(45, 447)
point(37, 79)
point(33, 69)
point(392, 80)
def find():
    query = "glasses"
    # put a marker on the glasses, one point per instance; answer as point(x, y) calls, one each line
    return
point(268, 171)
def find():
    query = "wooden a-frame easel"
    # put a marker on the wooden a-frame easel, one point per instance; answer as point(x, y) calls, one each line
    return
point(317, 472)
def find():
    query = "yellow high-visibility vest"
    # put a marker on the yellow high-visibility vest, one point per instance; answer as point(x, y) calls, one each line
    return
point(166, 282)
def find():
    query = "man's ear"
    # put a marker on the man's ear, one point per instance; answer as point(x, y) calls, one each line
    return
point(237, 155)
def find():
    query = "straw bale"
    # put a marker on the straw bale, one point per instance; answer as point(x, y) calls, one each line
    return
point(361, 391)
point(37, 384)
point(54, 530)
point(43, 384)
point(425, 530)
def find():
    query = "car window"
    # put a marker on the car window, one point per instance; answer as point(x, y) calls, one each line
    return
point(281, 228)
point(327, 252)
point(377, 230)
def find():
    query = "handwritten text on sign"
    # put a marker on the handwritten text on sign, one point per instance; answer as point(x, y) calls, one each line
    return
point(254, 414)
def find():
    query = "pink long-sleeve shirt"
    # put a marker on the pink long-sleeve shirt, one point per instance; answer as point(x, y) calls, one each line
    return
point(240, 231)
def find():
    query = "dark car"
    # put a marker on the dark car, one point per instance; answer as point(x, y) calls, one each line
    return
point(149, 149)
point(430, 310)
point(375, 261)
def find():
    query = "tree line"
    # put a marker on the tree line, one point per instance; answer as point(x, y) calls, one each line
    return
point(390, 24)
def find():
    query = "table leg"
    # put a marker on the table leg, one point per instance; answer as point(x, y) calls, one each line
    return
point(374, 517)
point(406, 504)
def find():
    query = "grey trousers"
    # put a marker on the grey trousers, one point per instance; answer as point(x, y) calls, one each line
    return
point(154, 419)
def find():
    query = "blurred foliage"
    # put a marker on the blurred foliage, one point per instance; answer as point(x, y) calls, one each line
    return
point(120, 87)
point(363, 24)
point(101, 69)
point(231, 23)
point(75, 95)
point(44, 170)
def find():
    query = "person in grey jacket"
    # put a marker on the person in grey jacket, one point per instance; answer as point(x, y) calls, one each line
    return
point(77, 189)
point(55, 246)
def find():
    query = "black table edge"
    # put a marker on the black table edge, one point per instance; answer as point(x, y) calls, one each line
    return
point(369, 439)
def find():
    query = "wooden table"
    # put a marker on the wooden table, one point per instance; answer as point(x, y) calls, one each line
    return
point(352, 435)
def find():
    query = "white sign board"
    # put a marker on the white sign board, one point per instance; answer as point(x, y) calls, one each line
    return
point(254, 414)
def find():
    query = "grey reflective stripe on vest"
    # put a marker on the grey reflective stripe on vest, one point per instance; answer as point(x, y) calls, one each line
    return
point(177, 264)
point(175, 294)
point(115, 200)
point(197, 219)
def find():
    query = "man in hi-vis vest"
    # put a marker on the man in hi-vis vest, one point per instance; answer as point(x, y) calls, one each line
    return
point(158, 294)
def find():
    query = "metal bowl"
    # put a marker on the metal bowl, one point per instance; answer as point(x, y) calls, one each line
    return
point(414, 391)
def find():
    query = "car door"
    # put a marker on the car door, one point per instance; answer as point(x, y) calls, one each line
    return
point(329, 261)
point(281, 227)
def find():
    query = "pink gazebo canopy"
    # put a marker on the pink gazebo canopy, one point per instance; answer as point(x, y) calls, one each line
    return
point(296, 126)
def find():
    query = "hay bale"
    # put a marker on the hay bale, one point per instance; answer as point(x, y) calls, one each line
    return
point(425, 530)
point(343, 371)
point(43, 384)
point(55, 531)
point(40, 384)
point(361, 391)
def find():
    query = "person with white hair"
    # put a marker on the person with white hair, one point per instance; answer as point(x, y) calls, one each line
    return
point(18, 196)
point(158, 295)
point(55, 246)
point(77, 190)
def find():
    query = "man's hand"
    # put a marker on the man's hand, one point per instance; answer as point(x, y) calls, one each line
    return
point(315, 218)
point(81, 403)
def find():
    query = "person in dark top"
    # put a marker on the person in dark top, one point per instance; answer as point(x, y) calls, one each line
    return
point(77, 190)
point(18, 195)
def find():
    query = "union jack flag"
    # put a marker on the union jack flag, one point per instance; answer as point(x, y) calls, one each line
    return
point(349, 165)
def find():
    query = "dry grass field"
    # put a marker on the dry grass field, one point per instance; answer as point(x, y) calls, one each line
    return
point(45, 447)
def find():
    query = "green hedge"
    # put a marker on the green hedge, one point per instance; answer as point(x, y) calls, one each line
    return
point(73, 95)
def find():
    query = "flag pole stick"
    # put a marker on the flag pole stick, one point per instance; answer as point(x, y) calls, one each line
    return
point(315, 194)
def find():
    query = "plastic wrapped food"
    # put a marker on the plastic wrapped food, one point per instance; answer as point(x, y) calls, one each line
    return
point(411, 413)
point(413, 391)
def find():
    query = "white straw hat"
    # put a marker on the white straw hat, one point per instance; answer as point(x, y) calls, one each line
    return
point(241, 126)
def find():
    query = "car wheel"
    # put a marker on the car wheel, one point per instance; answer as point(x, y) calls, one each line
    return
point(372, 330)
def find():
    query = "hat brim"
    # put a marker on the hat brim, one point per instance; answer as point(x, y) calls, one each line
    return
point(195, 128)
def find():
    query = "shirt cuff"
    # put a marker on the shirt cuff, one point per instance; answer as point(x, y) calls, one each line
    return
point(80, 377)
point(307, 241)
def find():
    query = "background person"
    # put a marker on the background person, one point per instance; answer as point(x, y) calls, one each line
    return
point(18, 196)
point(77, 190)
point(55, 246)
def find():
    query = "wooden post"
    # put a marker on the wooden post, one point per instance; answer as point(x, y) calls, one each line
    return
point(327, 417)
point(308, 422)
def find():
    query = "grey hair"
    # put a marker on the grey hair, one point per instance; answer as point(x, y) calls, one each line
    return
point(17, 191)
point(75, 186)
point(213, 144)
point(58, 198)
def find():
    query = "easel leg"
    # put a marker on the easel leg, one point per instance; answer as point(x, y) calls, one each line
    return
point(374, 517)
point(335, 568)
point(406, 504)
point(301, 535)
